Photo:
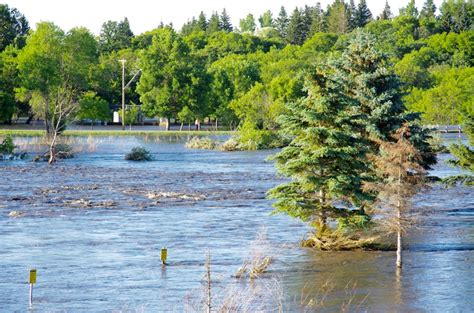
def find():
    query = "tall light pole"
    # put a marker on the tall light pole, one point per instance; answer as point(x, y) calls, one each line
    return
point(123, 92)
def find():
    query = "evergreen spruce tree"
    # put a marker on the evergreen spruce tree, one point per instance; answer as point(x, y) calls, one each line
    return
point(225, 23)
point(410, 10)
point(387, 12)
point(352, 12)
point(214, 24)
point(202, 22)
point(368, 79)
point(428, 22)
point(339, 17)
point(428, 10)
point(363, 14)
point(307, 15)
point(296, 28)
point(318, 21)
point(266, 20)
point(248, 24)
point(353, 104)
point(325, 159)
point(281, 23)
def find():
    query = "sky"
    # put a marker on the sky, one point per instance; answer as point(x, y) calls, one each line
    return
point(147, 14)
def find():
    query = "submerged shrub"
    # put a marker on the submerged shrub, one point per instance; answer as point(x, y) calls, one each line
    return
point(61, 151)
point(257, 139)
point(202, 143)
point(7, 146)
point(139, 154)
point(230, 145)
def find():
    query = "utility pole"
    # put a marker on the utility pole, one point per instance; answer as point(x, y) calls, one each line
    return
point(123, 92)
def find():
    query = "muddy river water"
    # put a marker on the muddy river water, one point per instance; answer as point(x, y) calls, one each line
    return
point(93, 226)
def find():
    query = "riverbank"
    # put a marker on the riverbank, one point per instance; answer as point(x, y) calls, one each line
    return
point(114, 132)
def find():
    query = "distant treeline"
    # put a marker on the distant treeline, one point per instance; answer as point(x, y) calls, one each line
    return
point(240, 75)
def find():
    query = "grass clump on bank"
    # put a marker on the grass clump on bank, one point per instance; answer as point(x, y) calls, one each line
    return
point(139, 154)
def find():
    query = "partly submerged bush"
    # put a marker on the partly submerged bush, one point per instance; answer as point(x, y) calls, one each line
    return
point(61, 151)
point(139, 154)
point(250, 138)
point(7, 146)
point(202, 143)
point(230, 145)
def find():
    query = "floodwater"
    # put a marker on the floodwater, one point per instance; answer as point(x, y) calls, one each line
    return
point(93, 227)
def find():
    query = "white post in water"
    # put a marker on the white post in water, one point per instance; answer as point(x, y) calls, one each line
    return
point(32, 281)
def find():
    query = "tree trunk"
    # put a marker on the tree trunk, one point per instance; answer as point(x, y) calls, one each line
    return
point(30, 117)
point(130, 126)
point(52, 152)
point(322, 215)
point(167, 124)
point(189, 126)
point(181, 127)
point(217, 125)
point(399, 238)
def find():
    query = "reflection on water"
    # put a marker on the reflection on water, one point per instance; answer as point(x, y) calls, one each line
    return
point(94, 225)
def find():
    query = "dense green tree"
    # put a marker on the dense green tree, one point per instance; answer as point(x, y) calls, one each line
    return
point(362, 14)
point(92, 107)
point(456, 15)
point(281, 22)
point(115, 36)
point(266, 19)
point(131, 115)
point(248, 24)
point(171, 79)
point(413, 69)
point(13, 27)
point(446, 102)
point(52, 68)
point(225, 23)
point(8, 81)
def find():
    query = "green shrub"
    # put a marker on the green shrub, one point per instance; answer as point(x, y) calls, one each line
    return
point(230, 145)
point(257, 139)
point(139, 154)
point(202, 143)
point(7, 146)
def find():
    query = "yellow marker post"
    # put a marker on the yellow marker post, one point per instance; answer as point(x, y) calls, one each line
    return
point(32, 281)
point(164, 255)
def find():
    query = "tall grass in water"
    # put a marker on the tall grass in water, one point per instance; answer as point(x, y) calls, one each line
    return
point(264, 292)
